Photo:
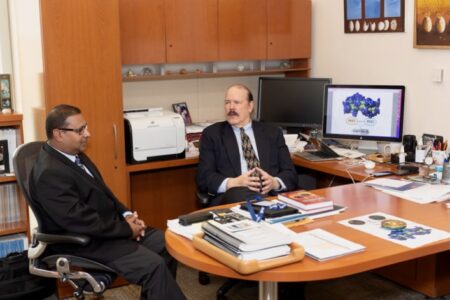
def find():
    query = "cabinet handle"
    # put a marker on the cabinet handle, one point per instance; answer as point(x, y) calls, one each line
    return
point(115, 141)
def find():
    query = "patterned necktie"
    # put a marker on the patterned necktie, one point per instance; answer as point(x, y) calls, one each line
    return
point(248, 152)
point(80, 164)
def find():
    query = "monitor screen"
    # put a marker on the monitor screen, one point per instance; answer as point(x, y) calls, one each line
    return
point(291, 101)
point(364, 112)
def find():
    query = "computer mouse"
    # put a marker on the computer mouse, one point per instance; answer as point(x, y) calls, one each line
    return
point(368, 164)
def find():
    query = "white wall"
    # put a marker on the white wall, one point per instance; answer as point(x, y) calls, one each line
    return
point(377, 58)
point(5, 48)
point(384, 58)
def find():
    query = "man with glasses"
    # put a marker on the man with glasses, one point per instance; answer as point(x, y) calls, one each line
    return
point(72, 197)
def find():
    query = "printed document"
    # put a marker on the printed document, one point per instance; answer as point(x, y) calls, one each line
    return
point(323, 245)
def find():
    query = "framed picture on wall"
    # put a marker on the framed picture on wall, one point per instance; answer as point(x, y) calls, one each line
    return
point(432, 24)
point(5, 93)
point(182, 109)
point(370, 16)
point(4, 157)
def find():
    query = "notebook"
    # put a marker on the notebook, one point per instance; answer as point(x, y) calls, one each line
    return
point(323, 153)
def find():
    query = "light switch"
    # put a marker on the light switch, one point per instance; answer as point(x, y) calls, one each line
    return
point(437, 75)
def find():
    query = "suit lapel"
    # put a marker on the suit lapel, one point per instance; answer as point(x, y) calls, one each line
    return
point(231, 148)
point(96, 180)
point(262, 143)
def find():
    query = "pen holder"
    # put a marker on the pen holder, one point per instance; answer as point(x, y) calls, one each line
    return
point(438, 157)
point(420, 155)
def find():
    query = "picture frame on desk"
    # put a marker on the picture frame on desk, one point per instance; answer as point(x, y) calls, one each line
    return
point(182, 109)
point(4, 157)
point(5, 93)
point(431, 24)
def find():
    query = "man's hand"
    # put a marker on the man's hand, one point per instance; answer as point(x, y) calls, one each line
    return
point(248, 180)
point(137, 225)
point(268, 182)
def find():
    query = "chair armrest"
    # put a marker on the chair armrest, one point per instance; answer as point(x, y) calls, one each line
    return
point(203, 199)
point(72, 238)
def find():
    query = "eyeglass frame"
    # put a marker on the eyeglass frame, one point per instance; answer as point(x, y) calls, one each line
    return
point(80, 130)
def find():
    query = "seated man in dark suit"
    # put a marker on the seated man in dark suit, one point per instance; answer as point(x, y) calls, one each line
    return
point(243, 153)
point(72, 197)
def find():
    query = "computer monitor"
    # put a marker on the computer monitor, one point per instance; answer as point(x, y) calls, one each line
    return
point(291, 102)
point(364, 112)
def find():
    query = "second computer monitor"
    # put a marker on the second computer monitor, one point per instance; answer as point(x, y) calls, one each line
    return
point(291, 102)
point(364, 112)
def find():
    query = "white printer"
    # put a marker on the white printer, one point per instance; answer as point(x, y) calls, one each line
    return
point(153, 134)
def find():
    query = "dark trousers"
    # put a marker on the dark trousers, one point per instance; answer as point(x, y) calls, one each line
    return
point(151, 267)
point(233, 195)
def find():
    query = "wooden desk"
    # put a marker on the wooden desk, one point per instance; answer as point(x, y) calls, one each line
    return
point(360, 200)
point(164, 190)
point(345, 168)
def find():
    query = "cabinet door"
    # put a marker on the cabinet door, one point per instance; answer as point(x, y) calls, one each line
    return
point(81, 50)
point(191, 30)
point(289, 28)
point(142, 35)
point(242, 29)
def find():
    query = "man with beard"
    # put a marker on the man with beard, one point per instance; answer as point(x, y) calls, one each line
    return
point(71, 197)
point(240, 158)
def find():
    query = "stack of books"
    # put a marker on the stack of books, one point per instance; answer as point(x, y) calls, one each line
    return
point(306, 202)
point(246, 239)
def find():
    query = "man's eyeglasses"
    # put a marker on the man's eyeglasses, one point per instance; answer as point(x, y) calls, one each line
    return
point(80, 130)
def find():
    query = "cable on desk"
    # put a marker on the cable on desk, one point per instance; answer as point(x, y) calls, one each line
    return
point(331, 181)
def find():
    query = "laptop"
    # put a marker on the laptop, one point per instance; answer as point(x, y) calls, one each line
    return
point(323, 152)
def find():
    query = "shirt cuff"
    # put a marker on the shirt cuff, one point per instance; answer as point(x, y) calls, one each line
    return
point(282, 185)
point(127, 213)
point(223, 186)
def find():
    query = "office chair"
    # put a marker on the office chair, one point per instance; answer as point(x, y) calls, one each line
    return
point(84, 275)
point(204, 200)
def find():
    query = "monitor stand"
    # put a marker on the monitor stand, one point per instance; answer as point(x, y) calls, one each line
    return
point(367, 147)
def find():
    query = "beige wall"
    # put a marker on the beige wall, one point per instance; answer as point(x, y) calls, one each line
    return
point(380, 58)
point(377, 58)
point(384, 58)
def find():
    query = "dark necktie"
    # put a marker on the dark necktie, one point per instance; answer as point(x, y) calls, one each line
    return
point(80, 164)
point(249, 153)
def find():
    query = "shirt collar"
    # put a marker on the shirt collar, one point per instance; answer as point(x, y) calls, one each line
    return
point(69, 156)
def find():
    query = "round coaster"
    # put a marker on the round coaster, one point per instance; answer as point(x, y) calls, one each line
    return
point(377, 217)
point(356, 222)
point(393, 224)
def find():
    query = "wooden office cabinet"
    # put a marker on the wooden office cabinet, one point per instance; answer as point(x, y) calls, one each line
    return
point(142, 31)
point(81, 50)
point(242, 30)
point(289, 29)
point(191, 30)
point(13, 208)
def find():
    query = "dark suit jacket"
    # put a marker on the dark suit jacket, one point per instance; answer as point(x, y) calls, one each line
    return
point(219, 155)
point(70, 200)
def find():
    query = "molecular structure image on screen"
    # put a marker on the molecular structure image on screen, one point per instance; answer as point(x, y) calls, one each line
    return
point(358, 103)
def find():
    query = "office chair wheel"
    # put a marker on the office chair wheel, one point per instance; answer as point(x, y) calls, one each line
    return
point(203, 278)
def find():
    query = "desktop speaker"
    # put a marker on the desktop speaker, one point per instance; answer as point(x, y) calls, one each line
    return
point(410, 144)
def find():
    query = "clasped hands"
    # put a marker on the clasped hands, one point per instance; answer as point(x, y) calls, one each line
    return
point(263, 183)
point(137, 226)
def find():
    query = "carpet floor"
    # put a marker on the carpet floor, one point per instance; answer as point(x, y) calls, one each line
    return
point(366, 286)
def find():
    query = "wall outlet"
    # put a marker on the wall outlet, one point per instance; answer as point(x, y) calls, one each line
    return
point(437, 75)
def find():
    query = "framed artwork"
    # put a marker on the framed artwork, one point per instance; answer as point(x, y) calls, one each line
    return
point(432, 24)
point(182, 109)
point(4, 157)
point(5, 92)
point(374, 16)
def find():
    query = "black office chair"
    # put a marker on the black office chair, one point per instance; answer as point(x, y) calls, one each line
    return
point(204, 200)
point(84, 275)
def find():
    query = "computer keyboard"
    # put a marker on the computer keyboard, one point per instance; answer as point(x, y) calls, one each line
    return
point(347, 152)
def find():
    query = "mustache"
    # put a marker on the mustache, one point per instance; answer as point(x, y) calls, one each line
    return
point(232, 113)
